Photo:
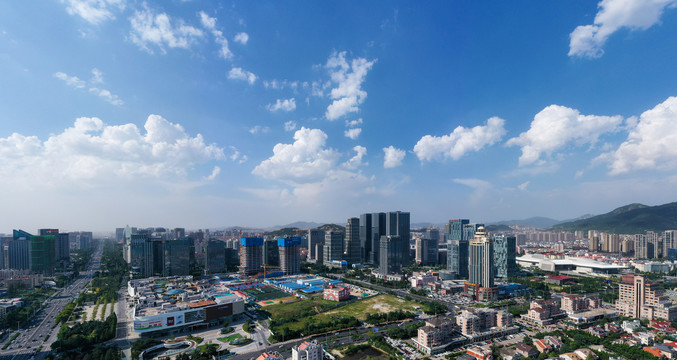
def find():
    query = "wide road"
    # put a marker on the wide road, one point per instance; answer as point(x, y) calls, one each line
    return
point(40, 331)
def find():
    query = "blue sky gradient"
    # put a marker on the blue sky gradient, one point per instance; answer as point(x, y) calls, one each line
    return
point(203, 114)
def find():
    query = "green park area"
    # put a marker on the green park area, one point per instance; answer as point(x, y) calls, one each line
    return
point(230, 338)
point(311, 316)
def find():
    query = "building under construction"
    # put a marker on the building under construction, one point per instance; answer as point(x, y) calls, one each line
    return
point(251, 256)
point(289, 255)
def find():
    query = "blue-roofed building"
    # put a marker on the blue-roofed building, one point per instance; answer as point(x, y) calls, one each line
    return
point(251, 255)
point(289, 249)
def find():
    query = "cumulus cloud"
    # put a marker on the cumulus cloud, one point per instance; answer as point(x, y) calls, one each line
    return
point(356, 161)
point(209, 23)
point(242, 38)
point(523, 186)
point(352, 133)
point(353, 123)
point(290, 125)
point(392, 157)
point(97, 78)
point(348, 78)
point(237, 73)
point(650, 144)
point(91, 152)
point(282, 104)
point(588, 40)
point(156, 29)
point(460, 141)
point(106, 95)
point(556, 127)
point(94, 11)
point(73, 81)
point(258, 129)
point(215, 172)
point(236, 156)
point(305, 160)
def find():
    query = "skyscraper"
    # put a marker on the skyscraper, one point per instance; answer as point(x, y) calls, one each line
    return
point(141, 256)
point(251, 255)
point(19, 254)
point(505, 253)
point(352, 250)
point(457, 247)
point(397, 224)
point(289, 255)
point(392, 250)
point(378, 229)
point(333, 247)
point(216, 256)
point(271, 253)
point(315, 237)
point(42, 252)
point(669, 241)
point(365, 238)
point(426, 251)
point(480, 284)
point(179, 256)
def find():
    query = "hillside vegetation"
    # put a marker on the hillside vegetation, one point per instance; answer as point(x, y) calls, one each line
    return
point(628, 219)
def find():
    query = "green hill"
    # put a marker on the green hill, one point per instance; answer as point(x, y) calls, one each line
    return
point(628, 219)
point(291, 231)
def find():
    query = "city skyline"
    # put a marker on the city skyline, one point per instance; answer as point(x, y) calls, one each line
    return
point(261, 114)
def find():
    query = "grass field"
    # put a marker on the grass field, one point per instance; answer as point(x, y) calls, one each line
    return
point(358, 309)
point(266, 293)
point(230, 338)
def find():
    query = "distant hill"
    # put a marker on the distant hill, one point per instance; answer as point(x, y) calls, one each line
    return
point(498, 228)
point(291, 231)
point(628, 219)
point(538, 222)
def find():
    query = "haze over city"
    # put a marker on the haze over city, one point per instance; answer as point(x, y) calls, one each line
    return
point(200, 114)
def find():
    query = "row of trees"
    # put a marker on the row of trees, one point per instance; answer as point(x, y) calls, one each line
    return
point(85, 334)
point(379, 318)
point(283, 332)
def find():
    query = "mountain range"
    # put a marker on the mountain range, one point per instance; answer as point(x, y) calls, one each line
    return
point(629, 219)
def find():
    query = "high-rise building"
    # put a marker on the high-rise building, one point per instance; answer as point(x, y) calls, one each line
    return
point(179, 233)
point(315, 237)
point(426, 251)
point(378, 229)
point(457, 247)
point(333, 247)
point(18, 253)
point(610, 242)
point(642, 299)
point(289, 255)
point(365, 238)
point(62, 249)
point(480, 284)
point(505, 254)
point(646, 245)
point(593, 244)
point(141, 256)
point(669, 241)
point(271, 253)
point(179, 256)
point(398, 224)
point(216, 256)
point(42, 251)
point(352, 251)
point(251, 255)
point(392, 251)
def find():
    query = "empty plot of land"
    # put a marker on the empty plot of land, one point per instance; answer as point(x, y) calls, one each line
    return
point(377, 304)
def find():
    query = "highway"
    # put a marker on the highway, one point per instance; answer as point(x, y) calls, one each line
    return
point(25, 346)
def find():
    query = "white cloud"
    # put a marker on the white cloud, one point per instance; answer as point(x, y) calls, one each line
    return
point(92, 153)
point(460, 141)
point(556, 127)
point(290, 125)
point(588, 40)
point(305, 160)
point(356, 161)
point(94, 11)
point(348, 93)
point(106, 95)
point(236, 156)
point(258, 129)
point(97, 76)
point(237, 73)
point(352, 133)
point(280, 84)
point(523, 186)
point(353, 123)
point(209, 23)
point(242, 38)
point(282, 104)
point(73, 81)
point(215, 172)
point(150, 28)
point(393, 157)
point(650, 144)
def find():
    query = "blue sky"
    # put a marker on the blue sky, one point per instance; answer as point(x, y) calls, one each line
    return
point(203, 114)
